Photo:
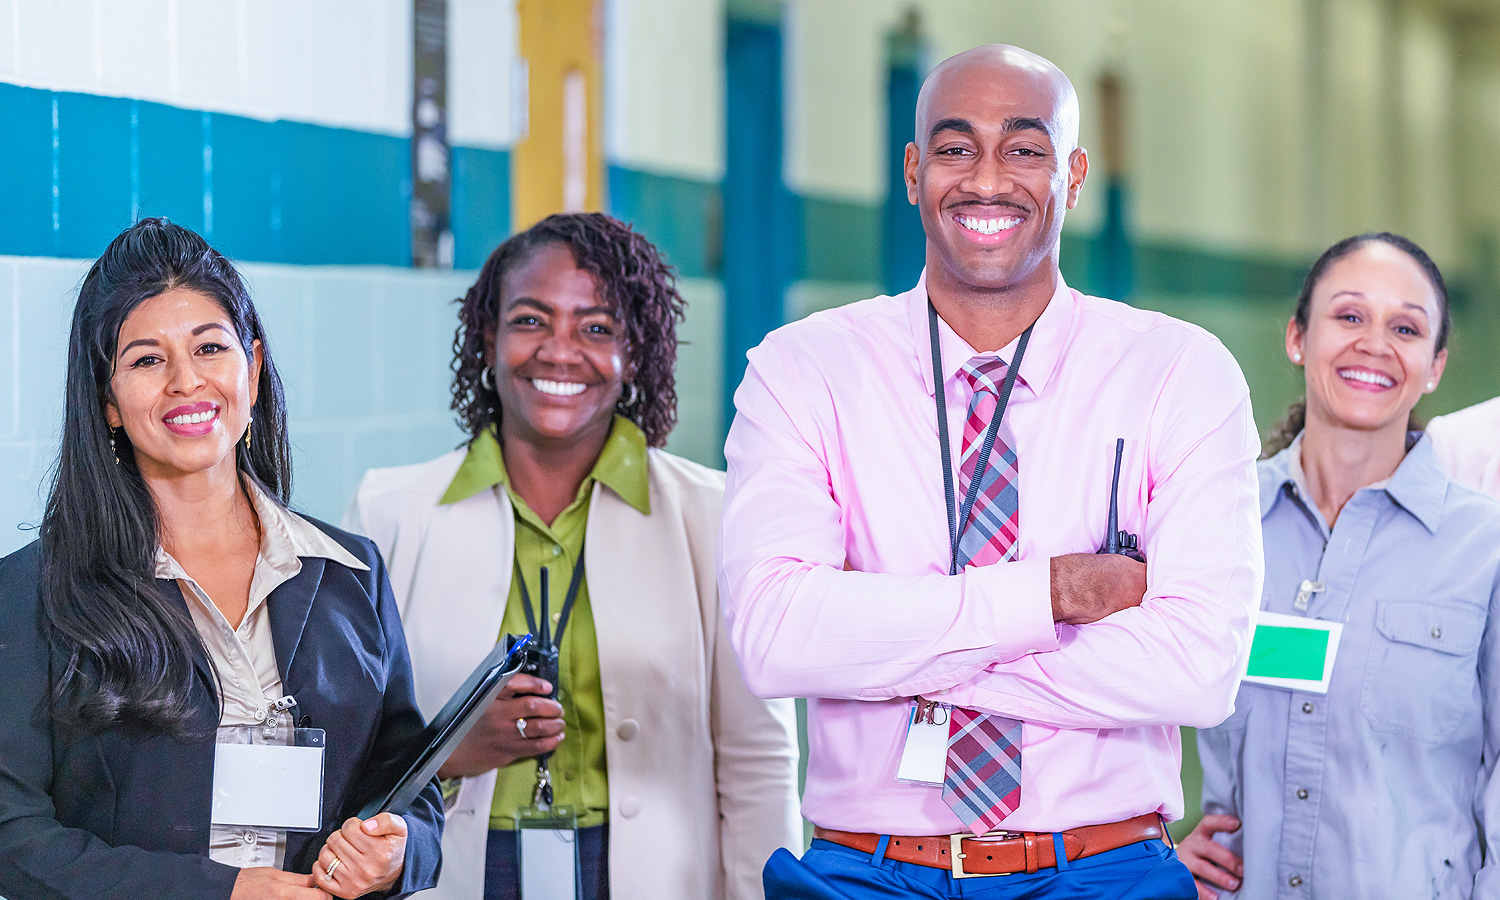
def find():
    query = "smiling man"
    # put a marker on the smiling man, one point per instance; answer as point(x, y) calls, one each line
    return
point(917, 488)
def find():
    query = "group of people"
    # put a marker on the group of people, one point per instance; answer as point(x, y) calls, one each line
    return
point(1005, 537)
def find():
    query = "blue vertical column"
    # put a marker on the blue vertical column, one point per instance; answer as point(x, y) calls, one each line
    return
point(761, 239)
point(903, 243)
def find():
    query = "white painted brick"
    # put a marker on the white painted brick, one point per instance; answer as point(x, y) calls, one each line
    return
point(664, 87)
point(57, 43)
point(135, 53)
point(208, 49)
point(483, 46)
point(10, 48)
point(339, 51)
point(274, 60)
point(394, 66)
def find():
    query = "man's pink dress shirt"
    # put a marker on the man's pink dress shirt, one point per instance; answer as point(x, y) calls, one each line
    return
point(834, 464)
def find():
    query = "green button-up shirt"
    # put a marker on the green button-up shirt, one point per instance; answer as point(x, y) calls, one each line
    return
point(579, 776)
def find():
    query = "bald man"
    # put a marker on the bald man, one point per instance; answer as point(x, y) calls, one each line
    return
point(918, 486)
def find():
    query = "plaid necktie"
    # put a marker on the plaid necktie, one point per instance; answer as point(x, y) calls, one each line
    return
point(982, 781)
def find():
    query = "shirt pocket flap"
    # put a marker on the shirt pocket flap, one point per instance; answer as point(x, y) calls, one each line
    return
point(1445, 627)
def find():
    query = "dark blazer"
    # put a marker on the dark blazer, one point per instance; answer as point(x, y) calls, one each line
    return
point(126, 814)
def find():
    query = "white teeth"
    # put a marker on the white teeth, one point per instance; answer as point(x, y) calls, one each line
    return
point(988, 226)
point(558, 388)
point(193, 418)
point(1366, 377)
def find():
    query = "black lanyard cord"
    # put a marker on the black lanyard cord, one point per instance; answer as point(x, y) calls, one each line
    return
point(567, 609)
point(957, 529)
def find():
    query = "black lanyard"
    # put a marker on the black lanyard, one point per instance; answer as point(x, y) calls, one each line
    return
point(567, 608)
point(956, 532)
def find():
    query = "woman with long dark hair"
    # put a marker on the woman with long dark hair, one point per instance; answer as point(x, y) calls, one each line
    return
point(175, 607)
point(678, 782)
point(1372, 775)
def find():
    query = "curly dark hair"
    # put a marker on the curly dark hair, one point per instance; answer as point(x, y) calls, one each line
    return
point(637, 285)
point(1292, 422)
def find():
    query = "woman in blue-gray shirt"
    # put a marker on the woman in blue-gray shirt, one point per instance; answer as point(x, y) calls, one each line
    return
point(1381, 787)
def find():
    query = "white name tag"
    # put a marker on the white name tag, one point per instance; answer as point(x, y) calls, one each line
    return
point(268, 786)
point(549, 863)
point(924, 756)
point(1293, 652)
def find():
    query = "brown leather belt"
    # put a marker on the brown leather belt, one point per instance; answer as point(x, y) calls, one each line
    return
point(1002, 852)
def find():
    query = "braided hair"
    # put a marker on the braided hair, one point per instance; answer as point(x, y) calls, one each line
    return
point(633, 280)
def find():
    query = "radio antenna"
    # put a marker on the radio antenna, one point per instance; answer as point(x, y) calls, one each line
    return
point(1111, 537)
point(545, 636)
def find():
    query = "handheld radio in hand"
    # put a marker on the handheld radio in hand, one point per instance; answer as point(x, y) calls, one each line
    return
point(541, 657)
point(1116, 541)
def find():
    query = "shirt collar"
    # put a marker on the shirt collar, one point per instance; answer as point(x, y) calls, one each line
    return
point(285, 538)
point(621, 466)
point(1043, 350)
point(1418, 485)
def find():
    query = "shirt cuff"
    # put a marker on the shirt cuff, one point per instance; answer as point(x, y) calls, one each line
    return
point(1019, 596)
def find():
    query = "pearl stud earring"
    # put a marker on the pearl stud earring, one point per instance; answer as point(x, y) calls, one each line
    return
point(1296, 357)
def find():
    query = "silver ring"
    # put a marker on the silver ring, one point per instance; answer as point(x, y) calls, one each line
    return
point(329, 870)
point(521, 726)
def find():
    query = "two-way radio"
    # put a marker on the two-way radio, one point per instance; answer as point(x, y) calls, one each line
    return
point(1116, 541)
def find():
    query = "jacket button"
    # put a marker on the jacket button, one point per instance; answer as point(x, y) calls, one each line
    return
point(628, 729)
point(1301, 793)
point(1295, 881)
point(629, 807)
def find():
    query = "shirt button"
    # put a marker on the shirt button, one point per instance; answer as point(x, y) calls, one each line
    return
point(1437, 632)
point(1307, 707)
point(1301, 793)
point(250, 838)
point(1295, 881)
point(556, 550)
point(629, 807)
point(628, 729)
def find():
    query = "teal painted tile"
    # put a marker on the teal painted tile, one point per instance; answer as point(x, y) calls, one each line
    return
point(93, 172)
point(681, 216)
point(22, 488)
point(345, 196)
point(319, 471)
point(169, 163)
point(415, 346)
point(843, 240)
point(26, 164)
point(343, 312)
point(481, 211)
point(247, 203)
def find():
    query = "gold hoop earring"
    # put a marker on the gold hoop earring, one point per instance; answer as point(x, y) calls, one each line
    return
point(248, 422)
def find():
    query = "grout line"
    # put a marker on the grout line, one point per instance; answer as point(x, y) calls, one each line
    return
point(15, 347)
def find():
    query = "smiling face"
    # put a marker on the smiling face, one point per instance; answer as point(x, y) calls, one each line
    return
point(994, 168)
point(557, 351)
point(1368, 349)
point(182, 387)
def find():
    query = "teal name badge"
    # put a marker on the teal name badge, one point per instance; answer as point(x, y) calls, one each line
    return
point(1293, 652)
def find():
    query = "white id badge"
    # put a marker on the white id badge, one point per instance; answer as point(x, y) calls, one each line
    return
point(547, 844)
point(924, 757)
point(269, 785)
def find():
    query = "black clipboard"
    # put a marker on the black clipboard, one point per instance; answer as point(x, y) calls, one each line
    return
point(396, 784)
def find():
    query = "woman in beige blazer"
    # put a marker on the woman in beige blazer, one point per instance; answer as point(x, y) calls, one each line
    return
point(683, 783)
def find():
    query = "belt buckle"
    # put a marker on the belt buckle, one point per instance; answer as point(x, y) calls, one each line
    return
point(956, 852)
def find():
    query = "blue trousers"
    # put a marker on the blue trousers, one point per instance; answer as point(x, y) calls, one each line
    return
point(1148, 870)
point(502, 871)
